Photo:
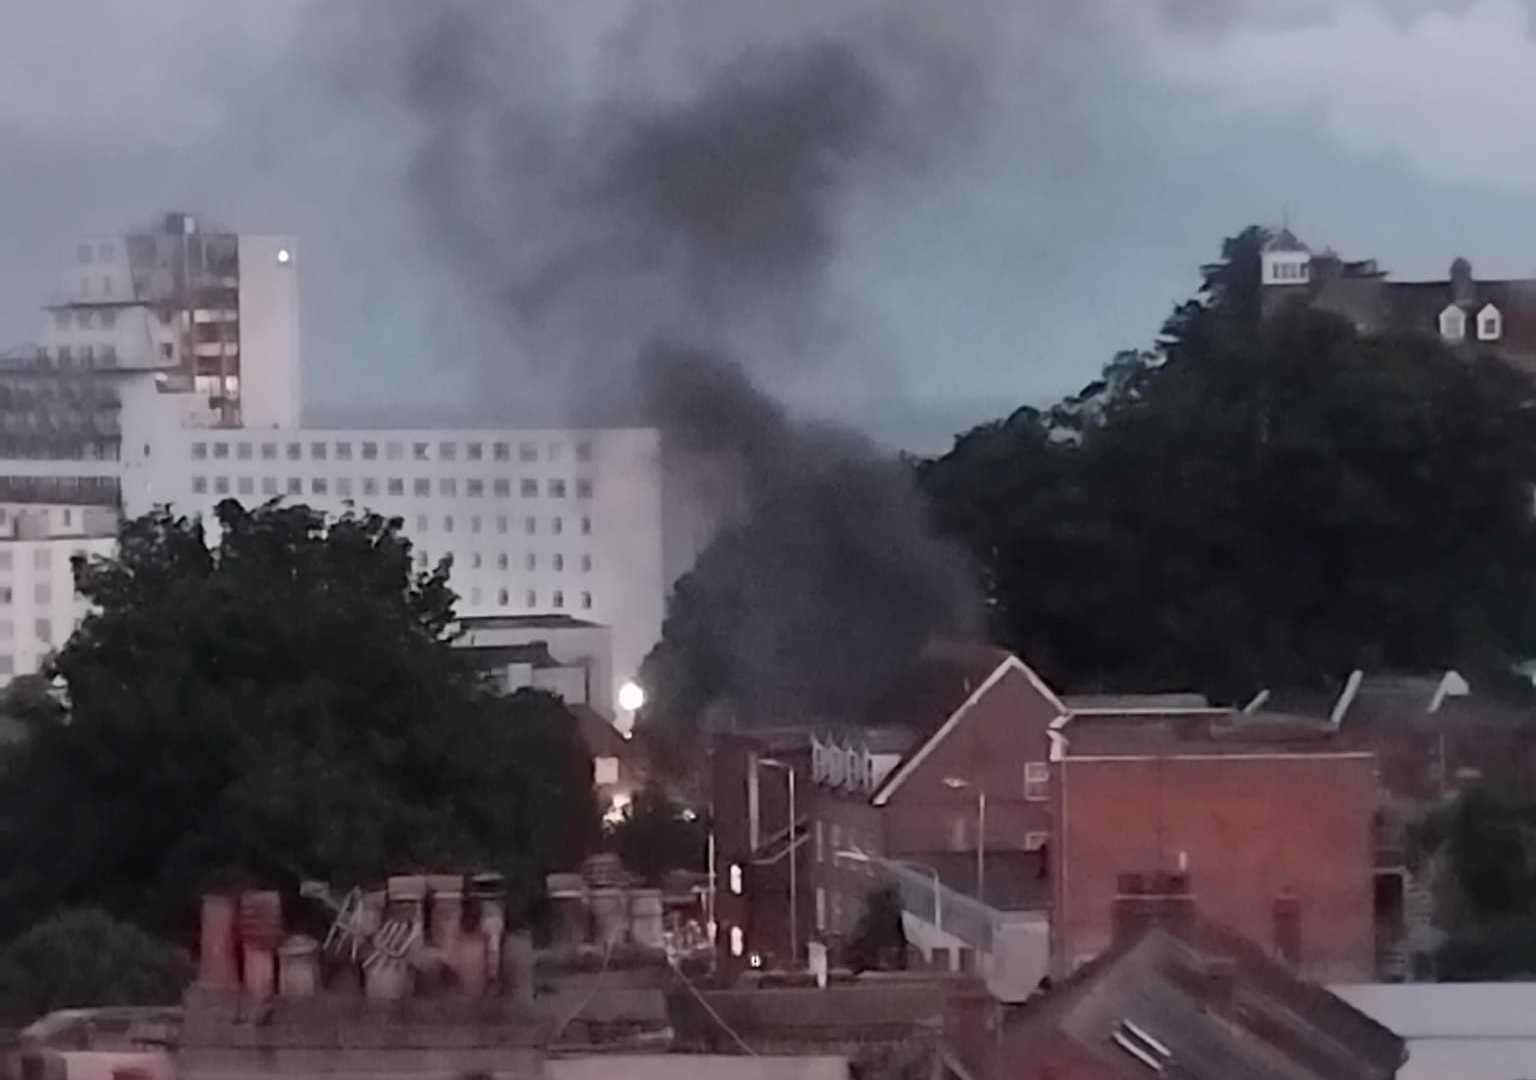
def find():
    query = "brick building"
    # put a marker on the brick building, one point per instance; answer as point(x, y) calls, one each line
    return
point(1264, 823)
point(956, 749)
point(1493, 314)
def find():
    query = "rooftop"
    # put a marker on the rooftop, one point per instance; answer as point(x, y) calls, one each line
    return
point(1214, 732)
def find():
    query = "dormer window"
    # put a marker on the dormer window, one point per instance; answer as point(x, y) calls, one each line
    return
point(1286, 269)
point(1453, 323)
point(1490, 324)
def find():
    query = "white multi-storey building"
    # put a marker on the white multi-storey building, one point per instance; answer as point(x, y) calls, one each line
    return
point(39, 607)
point(536, 522)
point(192, 337)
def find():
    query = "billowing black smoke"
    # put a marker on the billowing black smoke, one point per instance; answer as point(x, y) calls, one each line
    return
point(657, 231)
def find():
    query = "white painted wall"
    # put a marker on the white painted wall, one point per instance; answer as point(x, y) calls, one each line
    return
point(270, 390)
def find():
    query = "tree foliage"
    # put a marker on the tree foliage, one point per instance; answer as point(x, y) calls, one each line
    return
point(85, 957)
point(1257, 502)
point(284, 704)
point(880, 940)
point(656, 835)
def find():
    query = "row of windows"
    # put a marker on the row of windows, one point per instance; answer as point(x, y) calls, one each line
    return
point(530, 598)
point(86, 318)
point(1453, 323)
point(369, 450)
point(42, 593)
point(42, 630)
point(85, 356)
point(105, 251)
point(420, 487)
point(478, 561)
point(42, 558)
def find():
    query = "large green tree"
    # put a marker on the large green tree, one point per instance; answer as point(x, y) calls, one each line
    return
point(1257, 502)
point(284, 704)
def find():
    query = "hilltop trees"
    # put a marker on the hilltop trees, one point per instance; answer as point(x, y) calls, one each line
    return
point(1257, 503)
point(286, 704)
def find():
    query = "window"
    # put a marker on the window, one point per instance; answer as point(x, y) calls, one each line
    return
point(474, 523)
point(957, 833)
point(557, 489)
point(246, 485)
point(5, 594)
point(530, 599)
point(393, 451)
point(528, 489)
point(370, 451)
point(295, 486)
point(584, 489)
point(447, 451)
point(318, 486)
point(1036, 841)
point(448, 487)
point(221, 451)
point(42, 629)
point(586, 526)
point(556, 525)
point(605, 770)
point(530, 525)
point(1037, 780)
point(475, 560)
point(1453, 323)
point(199, 451)
point(448, 523)
point(344, 487)
point(109, 355)
point(419, 451)
point(472, 451)
point(738, 941)
point(501, 597)
point(269, 485)
point(501, 451)
point(821, 908)
point(527, 452)
point(343, 451)
point(421, 559)
point(584, 451)
point(370, 486)
point(422, 486)
point(501, 523)
point(42, 593)
point(501, 561)
point(735, 879)
point(558, 600)
point(586, 601)
point(84, 319)
point(820, 841)
point(586, 564)
point(475, 489)
point(269, 451)
point(167, 351)
point(558, 561)
point(422, 523)
point(530, 562)
point(502, 487)
point(221, 485)
point(1490, 324)
point(243, 451)
point(1287, 917)
point(199, 485)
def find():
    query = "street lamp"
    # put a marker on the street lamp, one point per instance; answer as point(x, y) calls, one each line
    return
point(955, 783)
point(794, 892)
point(631, 700)
point(854, 855)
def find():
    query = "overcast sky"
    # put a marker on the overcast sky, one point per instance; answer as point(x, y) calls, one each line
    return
point(1123, 142)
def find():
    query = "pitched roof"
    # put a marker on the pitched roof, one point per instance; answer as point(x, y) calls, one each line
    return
point(1285, 240)
point(953, 681)
point(1206, 1006)
point(1205, 732)
point(1416, 306)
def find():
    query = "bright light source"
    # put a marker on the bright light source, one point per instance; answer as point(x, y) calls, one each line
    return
point(631, 697)
point(617, 810)
point(284, 256)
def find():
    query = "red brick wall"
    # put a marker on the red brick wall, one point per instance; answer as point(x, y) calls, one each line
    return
point(1251, 830)
point(988, 749)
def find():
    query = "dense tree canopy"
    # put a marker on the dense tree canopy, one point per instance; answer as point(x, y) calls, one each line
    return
point(656, 834)
point(1257, 503)
point(85, 957)
point(284, 704)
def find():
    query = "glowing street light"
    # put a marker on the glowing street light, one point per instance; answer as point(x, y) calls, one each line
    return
point(631, 696)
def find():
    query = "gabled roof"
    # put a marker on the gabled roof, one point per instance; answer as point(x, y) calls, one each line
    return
point(1002, 663)
point(1285, 240)
point(1207, 1005)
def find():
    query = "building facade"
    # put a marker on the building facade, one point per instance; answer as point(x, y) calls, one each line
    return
point(1265, 828)
point(39, 607)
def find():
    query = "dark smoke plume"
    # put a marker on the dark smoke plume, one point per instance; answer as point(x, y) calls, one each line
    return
point(658, 234)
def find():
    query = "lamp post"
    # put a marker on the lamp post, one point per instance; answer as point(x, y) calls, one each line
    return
point(794, 894)
point(855, 855)
point(956, 783)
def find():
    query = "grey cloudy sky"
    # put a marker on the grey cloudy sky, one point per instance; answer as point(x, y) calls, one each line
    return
point(1124, 140)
